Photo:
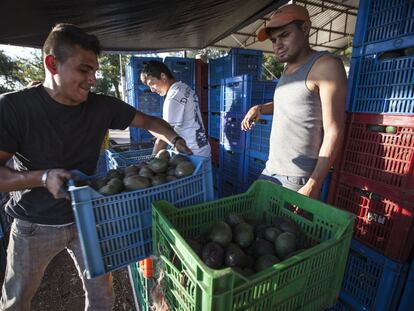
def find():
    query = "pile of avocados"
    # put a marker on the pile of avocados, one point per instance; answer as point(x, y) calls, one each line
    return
point(248, 246)
point(161, 169)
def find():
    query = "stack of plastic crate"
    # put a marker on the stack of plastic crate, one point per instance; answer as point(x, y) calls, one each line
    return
point(234, 86)
point(240, 93)
point(375, 177)
point(140, 96)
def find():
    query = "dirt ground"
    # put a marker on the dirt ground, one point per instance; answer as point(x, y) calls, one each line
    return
point(61, 288)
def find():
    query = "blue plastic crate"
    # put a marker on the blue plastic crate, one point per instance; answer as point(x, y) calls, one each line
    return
point(257, 139)
point(246, 61)
point(372, 281)
point(123, 159)
point(407, 298)
point(383, 86)
point(133, 70)
point(384, 20)
point(183, 69)
point(142, 99)
point(254, 164)
point(231, 165)
point(139, 135)
point(115, 230)
point(242, 92)
point(340, 305)
point(231, 134)
point(214, 119)
point(219, 69)
point(214, 95)
point(237, 62)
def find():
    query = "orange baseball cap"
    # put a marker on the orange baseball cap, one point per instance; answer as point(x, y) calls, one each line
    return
point(283, 16)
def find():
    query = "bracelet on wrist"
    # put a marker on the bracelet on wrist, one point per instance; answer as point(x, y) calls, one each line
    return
point(44, 178)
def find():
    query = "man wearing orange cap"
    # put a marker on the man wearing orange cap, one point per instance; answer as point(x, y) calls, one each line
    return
point(308, 105)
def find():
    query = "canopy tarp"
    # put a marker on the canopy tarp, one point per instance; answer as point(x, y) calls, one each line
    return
point(132, 25)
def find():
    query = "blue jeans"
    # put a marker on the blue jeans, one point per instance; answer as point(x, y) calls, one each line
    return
point(31, 248)
point(291, 182)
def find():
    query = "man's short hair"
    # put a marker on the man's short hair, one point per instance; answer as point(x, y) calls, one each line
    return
point(155, 68)
point(64, 37)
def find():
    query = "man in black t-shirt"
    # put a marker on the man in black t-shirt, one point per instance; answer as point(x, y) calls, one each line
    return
point(48, 130)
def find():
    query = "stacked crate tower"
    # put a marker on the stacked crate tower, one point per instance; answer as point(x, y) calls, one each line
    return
point(140, 96)
point(374, 178)
point(234, 87)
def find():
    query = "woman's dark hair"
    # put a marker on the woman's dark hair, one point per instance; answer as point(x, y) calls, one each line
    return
point(64, 37)
point(155, 68)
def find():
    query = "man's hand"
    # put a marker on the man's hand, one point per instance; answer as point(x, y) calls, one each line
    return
point(56, 183)
point(310, 191)
point(251, 116)
point(181, 146)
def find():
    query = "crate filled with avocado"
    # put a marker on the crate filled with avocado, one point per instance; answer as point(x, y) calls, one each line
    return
point(249, 245)
point(113, 210)
point(162, 169)
point(267, 249)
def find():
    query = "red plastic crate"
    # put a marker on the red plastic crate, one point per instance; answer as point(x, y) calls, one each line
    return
point(386, 158)
point(201, 71)
point(202, 94)
point(215, 150)
point(385, 216)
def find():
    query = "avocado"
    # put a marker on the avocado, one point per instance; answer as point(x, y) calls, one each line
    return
point(109, 189)
point(158, 179)
point(184, 169)
point(145, 171)
point(260, 230)
point(131, 170)
point(262, 247)
point(235, 257)
point(271, 233)
point(247, 272)
point(171, 171)
point(264, 262)
point(390, 129)
point(195, 246)
point(213, 255)
point(178, 158)
point(285, 244)
point(234, 219)
point(158, 165)
point(99, 183)
point(287, 225)
point(243, 234)
point(135, 182)
point(163, 154)
point(221, 233)
point(115, 173)
point(116, 183)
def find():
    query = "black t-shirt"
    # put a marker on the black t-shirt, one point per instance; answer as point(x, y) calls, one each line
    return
point(44, 134)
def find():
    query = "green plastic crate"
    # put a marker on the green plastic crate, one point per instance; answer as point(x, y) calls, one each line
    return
point(141, 287)
point(310, 280)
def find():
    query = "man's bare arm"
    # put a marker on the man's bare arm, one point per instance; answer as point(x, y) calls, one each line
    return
point(330, 79)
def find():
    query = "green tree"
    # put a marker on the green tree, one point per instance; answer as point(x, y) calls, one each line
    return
point(17, 73)
point(108, 76)
point(271, 69)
